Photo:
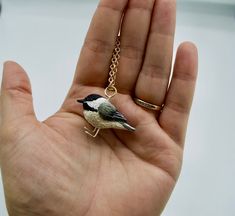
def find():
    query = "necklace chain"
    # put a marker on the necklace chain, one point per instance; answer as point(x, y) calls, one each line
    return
point(111, 90)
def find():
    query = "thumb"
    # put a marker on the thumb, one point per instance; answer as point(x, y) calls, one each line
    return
point(16, 94)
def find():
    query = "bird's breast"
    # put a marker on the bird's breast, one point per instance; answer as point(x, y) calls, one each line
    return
point(96, 121)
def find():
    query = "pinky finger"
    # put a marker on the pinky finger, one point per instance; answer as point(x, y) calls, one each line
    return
point(174, 117)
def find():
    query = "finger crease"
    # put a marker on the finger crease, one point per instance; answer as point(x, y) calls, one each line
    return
point(98, 46)
point(132, 52)
point(177, 107)
point(155, 71)
point(166, 35)
point(184, 77)
point(142, 5)
point(141, 9)
point(111, 8)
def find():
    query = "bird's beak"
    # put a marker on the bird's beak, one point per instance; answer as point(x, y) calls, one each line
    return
point(80, 100)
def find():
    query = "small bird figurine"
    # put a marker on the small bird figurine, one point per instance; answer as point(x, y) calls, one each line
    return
point(101, 114)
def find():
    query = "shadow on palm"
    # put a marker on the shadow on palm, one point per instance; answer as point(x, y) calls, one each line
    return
point(148, 144)
point(117, 165)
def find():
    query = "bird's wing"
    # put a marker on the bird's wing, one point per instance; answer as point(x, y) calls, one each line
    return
point(109, 112)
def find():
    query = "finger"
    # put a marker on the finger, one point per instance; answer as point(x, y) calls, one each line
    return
point(154, 76)
point(93, 64)
point(134, 34)
point(175, 114)
point(16, 94)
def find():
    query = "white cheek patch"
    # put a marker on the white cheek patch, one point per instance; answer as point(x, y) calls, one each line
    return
point(95, 104)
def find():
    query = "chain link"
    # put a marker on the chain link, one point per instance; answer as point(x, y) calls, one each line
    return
point(111, 90)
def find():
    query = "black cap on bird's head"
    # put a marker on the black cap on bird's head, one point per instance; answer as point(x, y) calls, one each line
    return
point(86, 100)
point(90, 97)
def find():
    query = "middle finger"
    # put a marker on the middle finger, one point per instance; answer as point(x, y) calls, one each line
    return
point(134, 34)
point(154, 76)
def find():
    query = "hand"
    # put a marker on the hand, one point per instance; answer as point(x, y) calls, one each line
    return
point(54, 168)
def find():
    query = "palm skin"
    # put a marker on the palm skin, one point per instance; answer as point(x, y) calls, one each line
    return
point(55, 168)
point(59, 167)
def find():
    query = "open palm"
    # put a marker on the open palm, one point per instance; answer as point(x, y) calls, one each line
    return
point(54, 168)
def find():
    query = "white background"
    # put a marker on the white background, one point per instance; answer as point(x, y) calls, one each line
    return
point(46, 36)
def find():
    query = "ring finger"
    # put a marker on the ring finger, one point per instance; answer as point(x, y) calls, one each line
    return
point(134, 35)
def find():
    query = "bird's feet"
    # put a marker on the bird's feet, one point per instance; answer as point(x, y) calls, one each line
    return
point(92, 133)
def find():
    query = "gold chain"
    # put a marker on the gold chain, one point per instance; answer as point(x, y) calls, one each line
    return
point(111, 90)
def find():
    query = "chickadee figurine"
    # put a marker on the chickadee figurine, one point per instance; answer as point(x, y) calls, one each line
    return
point(101, 114)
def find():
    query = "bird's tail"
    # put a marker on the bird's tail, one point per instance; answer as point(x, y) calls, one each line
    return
point(128, 127)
